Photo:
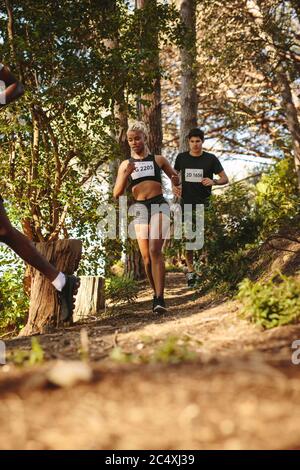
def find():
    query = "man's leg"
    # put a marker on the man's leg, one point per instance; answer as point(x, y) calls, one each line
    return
point(23, 247)
point(191, 275)
point(189, 257)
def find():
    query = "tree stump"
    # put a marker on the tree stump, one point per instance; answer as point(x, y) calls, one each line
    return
point(90, 298)
point(44, 311)
point(134, 265)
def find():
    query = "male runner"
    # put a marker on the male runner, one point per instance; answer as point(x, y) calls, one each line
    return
point(197, 168)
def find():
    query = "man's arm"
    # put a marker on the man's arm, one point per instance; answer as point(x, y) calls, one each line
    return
point(223, 179)
point(12, 89)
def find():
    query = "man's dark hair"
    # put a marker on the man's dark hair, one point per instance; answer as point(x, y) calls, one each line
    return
point(196, 132)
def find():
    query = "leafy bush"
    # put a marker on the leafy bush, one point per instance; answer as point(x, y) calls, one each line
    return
point(277, 197)
point(231, 230)
point(240, 219)
point(232, 221)
point(224, 275)
point(173, 267)
point(271, 304)
point(121, 289)
point(14, 303)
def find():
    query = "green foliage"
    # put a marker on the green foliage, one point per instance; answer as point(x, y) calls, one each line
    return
point(239, 220)
point(277, 197)
point(172, 350)
point(223, 275)
point(122, 357)
point(79, 61)
point(231, 229)
point(231, 222)
point(121, 289)
point(271, 304)
point(172, 268)
point(84, 349)
point(241, 85)
point(28, 358)
point(36, 354)
point(14, 302)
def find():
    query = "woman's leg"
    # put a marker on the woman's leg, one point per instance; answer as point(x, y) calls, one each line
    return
point(159, 229)
point(23, 247)
point(141, 231)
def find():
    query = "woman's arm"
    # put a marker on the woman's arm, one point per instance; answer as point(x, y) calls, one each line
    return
point(167, 168)
point(13, 88)
point(125, 170)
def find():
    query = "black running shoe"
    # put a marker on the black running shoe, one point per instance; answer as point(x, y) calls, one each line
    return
point(191, 279)
point(67, 298)
point(154, 302)
point(160, 306)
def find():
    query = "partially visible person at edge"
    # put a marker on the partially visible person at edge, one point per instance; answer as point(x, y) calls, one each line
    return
point(197, 168)
point(143, 173)
point(67, 286)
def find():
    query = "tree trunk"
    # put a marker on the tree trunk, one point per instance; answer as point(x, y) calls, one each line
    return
point(292, 120)
point(90, 298)
point(151, 112)
point(113, 248)
point(188, 55)
point(44, 311)
point(134, 265)
point(151, 115)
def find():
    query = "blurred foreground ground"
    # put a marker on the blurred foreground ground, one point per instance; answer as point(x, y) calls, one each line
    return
point(199, 377)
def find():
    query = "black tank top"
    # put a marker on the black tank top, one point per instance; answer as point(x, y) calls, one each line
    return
point(146, 170)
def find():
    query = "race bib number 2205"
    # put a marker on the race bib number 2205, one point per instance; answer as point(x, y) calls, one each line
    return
point(143, 169)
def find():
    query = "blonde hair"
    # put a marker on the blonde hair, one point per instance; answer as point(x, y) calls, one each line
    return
point(139, 126)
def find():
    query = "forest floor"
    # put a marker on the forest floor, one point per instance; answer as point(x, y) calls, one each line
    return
point(199, 377)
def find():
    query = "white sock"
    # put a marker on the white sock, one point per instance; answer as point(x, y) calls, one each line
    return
point(59, 282)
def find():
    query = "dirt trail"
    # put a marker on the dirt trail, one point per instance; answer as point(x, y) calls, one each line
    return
point(233, 386)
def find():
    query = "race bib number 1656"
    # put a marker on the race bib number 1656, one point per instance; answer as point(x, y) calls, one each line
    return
point(193, 175)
